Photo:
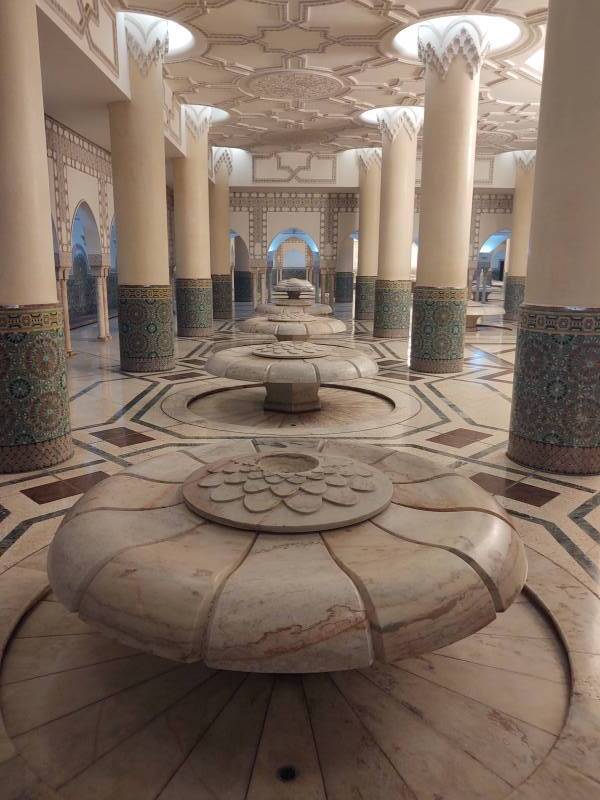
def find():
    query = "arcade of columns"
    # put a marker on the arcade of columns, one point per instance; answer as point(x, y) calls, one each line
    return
point(555, 420)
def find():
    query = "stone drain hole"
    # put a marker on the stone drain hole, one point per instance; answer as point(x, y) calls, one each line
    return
point(287, 773)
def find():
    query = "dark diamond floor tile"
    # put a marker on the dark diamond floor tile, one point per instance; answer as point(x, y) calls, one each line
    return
point(50, 492)
point(459, 437)
point(84, 482)
point(122, 437)
point(181, 376)
point(532, 495)
point(494, 484)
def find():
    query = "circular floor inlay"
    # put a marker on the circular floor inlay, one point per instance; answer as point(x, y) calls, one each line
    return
point(95, 719)
point(293, 350)
point(241, 408)
point(291, 492)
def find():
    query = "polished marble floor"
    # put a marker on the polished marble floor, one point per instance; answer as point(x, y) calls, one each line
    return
point(459, 420)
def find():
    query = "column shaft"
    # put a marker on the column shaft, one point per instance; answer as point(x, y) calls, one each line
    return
point(399, 129)
point(514, 285)
point(555, 421)
point(368, 231)
point(146, 338)
point(192, 237)
point(34, 414)
point(450, 127)
point(219, 237)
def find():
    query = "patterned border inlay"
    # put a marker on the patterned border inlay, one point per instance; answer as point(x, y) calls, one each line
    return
point(555, 419)
point(438, 328)
point(146, 338)
point(35, 429)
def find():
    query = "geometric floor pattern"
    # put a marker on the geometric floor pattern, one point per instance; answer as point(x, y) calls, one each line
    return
point(462, 422)
point(510, 713)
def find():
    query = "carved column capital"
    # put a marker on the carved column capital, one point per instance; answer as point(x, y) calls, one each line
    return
point(197, 120)
point(396, 119)
point(368, 157)
point(147, 40)
point(525, 159)
point(440, 44)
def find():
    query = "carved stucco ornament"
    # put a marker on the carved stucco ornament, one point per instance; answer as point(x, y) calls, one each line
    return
point(438, 47)
point(396, 119)
point(147, 40)
point(368, 157)
point(525, 159)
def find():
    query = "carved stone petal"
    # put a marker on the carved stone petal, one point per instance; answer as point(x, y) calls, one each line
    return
point(297, 479)
point(255, 486)
point(262, 501)
point(230, 468)
point(362, 484)
point(226, 492)
point(284, 489)
point(273, 479)
point(314, 487)
point(237, 477)
point(215, 479)
point(342, 496)
point(336, 480)
point(304, 503)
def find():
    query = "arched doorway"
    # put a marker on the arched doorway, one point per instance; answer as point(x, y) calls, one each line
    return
point(488, 276)
point(242, 277)
point(293, 253)
point(87, 252)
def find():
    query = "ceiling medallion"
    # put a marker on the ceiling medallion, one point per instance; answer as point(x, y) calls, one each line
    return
point(293, 84)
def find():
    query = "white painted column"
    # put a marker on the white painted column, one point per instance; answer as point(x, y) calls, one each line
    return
point(555, 421)
point(399, 129)
point(35, 426)
point(138, 161)
point(514, 285)
point(452, 55)
point(192, 229)
point(219, 235)
point(369, 169)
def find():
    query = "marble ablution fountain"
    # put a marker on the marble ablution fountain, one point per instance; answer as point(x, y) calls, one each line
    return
point(306, 291)
point(239, 621)
point(289, 318)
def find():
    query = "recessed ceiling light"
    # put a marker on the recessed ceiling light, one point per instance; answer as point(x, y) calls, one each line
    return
point(371, 116)
point(180, 37)
point(216, 114)
point(501, 31)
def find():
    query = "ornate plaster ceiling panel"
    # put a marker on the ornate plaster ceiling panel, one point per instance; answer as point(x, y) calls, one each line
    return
point(296, 74)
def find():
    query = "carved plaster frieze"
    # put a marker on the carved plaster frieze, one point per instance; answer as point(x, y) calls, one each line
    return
point(525, 159)
point(147, 40)
point(396, 119)
point(368, 157)
point(439, 46)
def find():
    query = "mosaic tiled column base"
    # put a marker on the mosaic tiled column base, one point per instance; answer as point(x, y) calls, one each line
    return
point(146, 339)
point(35, 430)
point(193, 298)
point(392, 308)
point(344, 287)
point(514, 294)
point(365, 297)
point(438, 329)
point(555, 420)
point(222, 296)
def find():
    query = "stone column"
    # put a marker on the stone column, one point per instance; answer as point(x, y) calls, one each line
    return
point(369, 167)
point(63, 270)
point(452, 54)
point(514, 284)
point(146, 337)
point(105, 273)
point(192, 238)
point(220, 266)
point(34, 415)
point(393, 288)
point(555, 422)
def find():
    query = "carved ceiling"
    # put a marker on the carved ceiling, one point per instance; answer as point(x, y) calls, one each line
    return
point(296, 74)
